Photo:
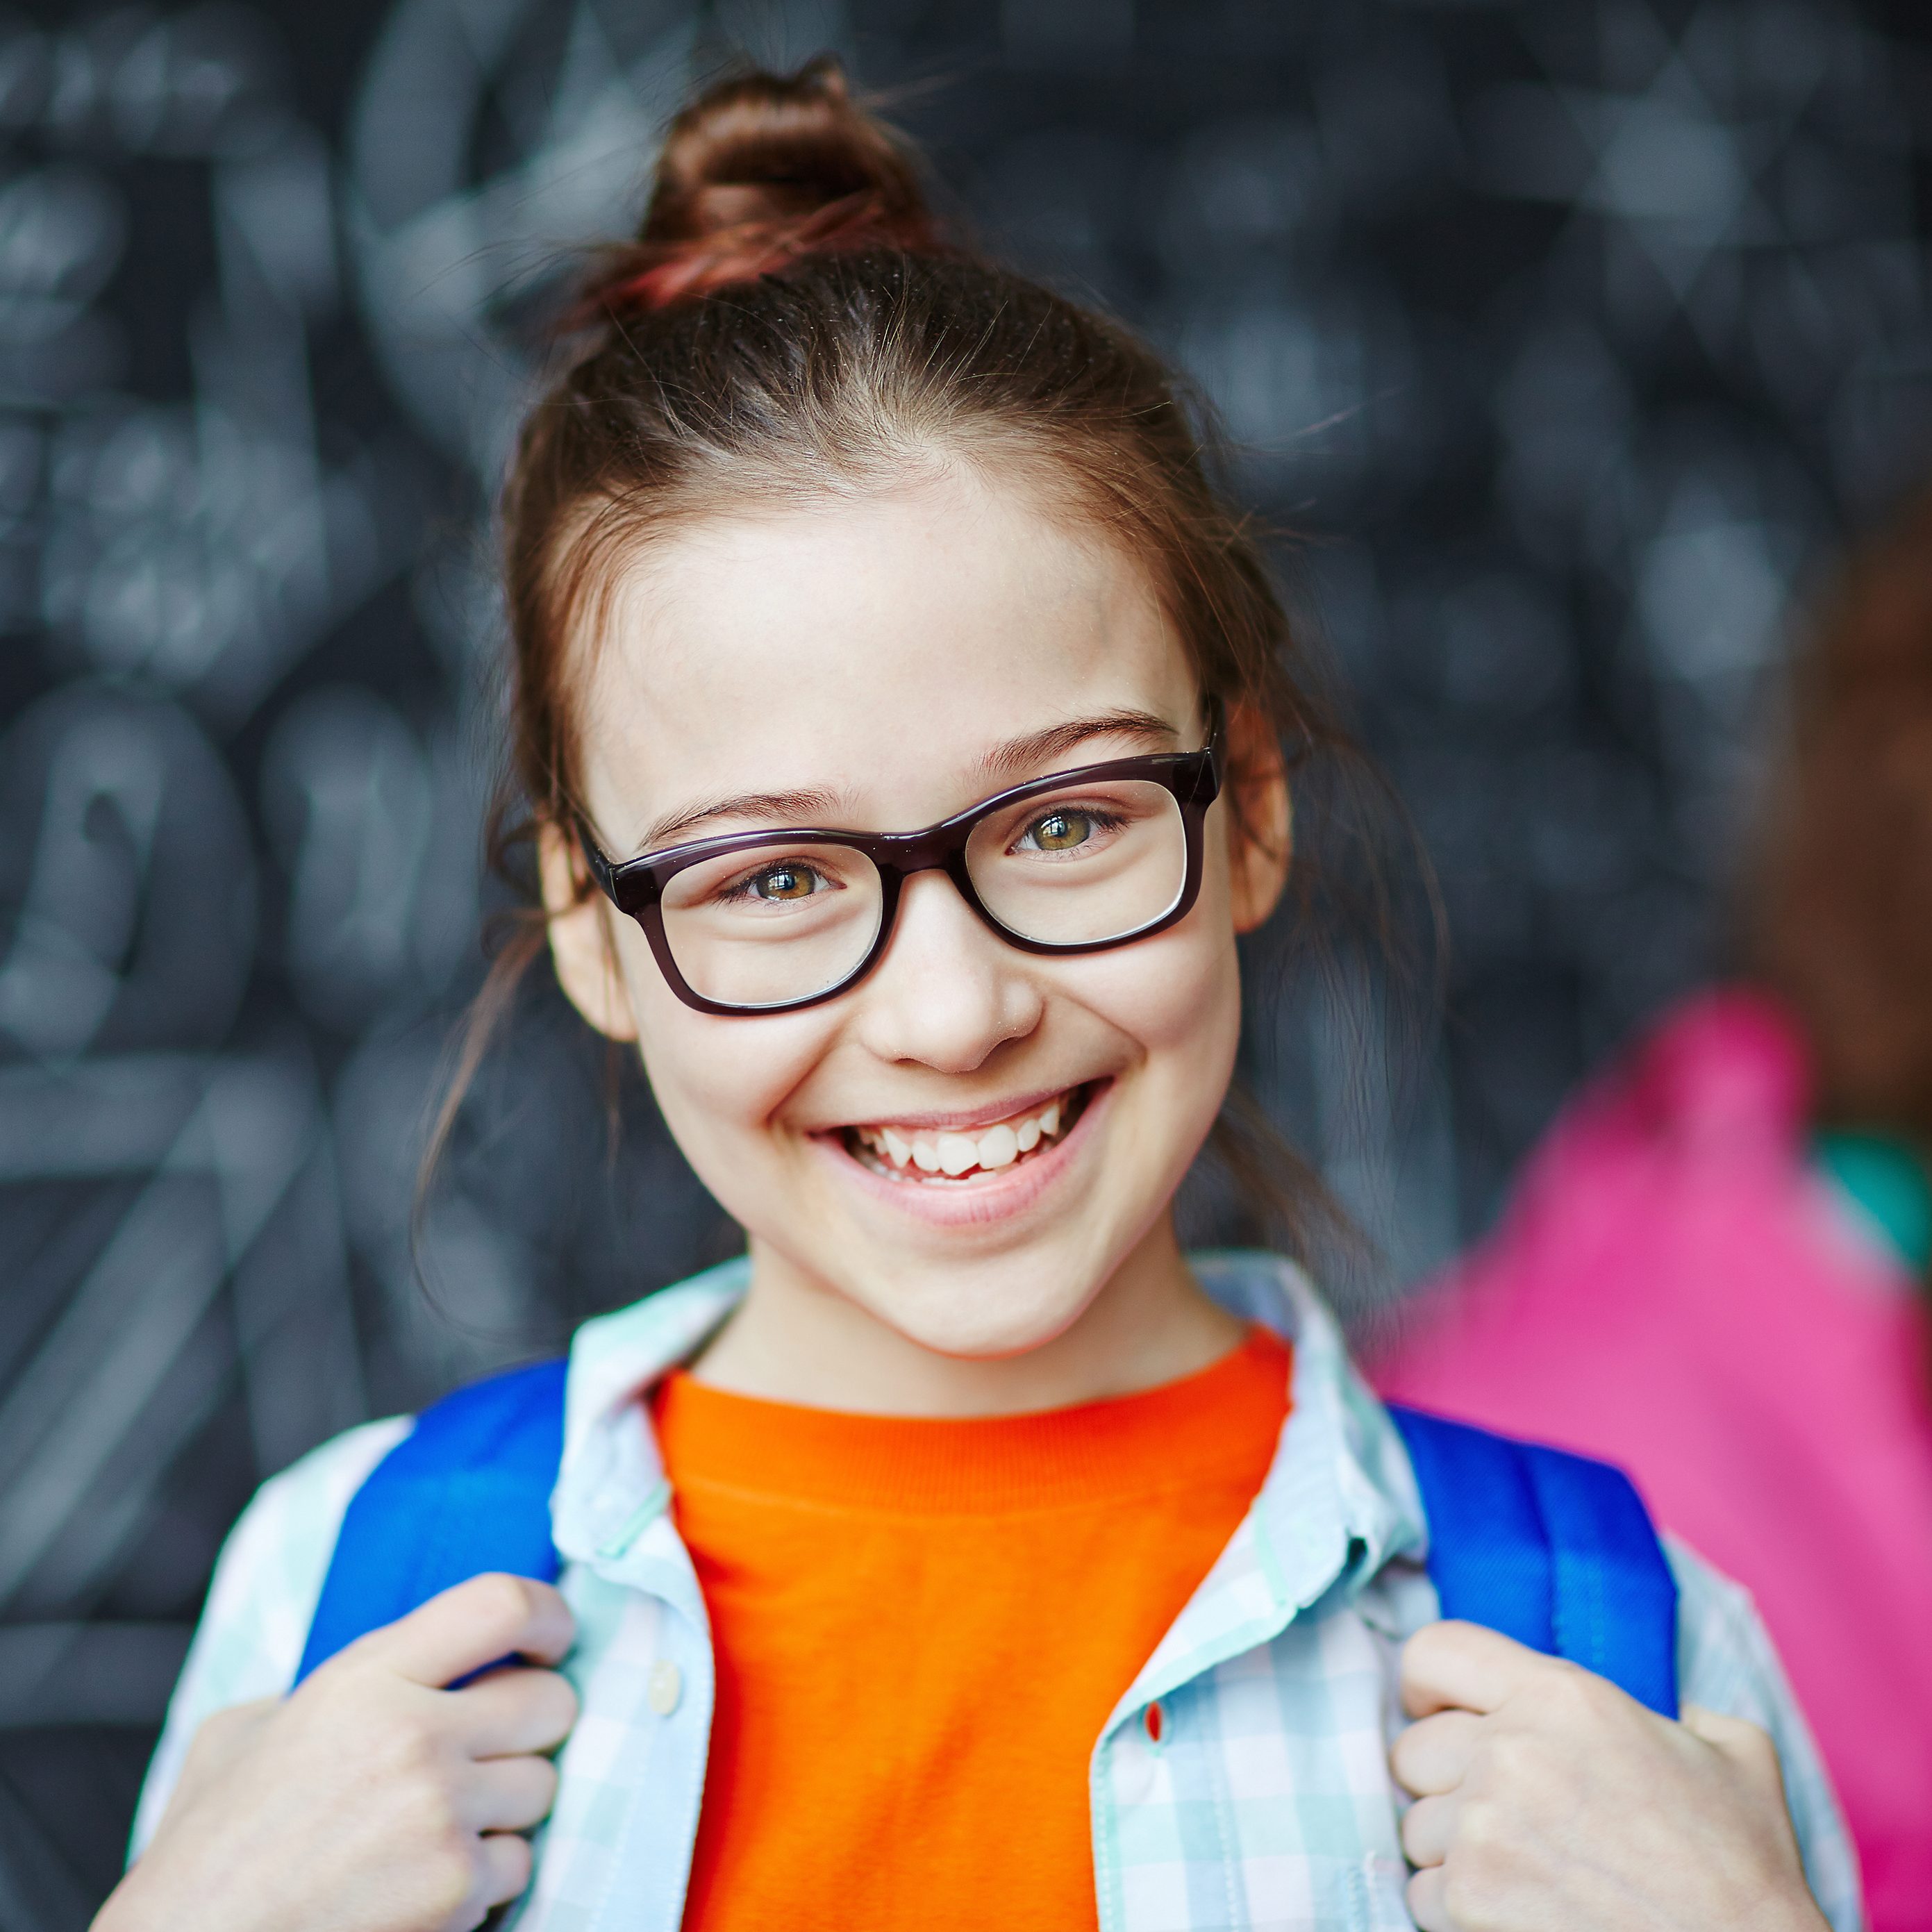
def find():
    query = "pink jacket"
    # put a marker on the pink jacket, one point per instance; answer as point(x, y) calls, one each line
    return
point(1673, 1288)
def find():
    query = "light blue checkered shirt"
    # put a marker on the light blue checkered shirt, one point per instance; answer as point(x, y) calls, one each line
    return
point(1267, 1802)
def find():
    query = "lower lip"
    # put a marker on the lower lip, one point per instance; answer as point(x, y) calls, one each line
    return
point(998, 1197)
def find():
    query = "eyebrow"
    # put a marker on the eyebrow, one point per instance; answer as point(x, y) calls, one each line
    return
point(1038, 747)
point(813, 804)
point(1003, 762)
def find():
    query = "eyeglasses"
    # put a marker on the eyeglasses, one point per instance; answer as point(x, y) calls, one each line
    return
point(767, 923)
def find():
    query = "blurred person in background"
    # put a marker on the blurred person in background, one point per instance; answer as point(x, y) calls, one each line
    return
point(1714, 1269)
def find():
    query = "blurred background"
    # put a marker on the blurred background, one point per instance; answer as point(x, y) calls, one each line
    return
point(1572, 338)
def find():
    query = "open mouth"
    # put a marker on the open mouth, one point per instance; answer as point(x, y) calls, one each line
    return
point(925, 1156)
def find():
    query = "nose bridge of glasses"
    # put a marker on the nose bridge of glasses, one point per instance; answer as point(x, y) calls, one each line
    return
point(899, 855)
point(939, 848)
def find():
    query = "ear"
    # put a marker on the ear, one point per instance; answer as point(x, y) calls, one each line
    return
point(581, 940)
point(1261, 819)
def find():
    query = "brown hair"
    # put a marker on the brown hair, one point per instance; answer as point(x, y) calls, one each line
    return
point(1841, 911)
point(791, 322)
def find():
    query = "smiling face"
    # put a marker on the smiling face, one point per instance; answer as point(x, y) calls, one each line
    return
point(971, 1142)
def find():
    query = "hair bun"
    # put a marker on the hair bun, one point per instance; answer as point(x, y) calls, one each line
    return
point(759, 171)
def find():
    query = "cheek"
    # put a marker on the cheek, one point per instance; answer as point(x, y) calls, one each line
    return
point(1180, 990)
point(1178, 998)
point(717, 1082)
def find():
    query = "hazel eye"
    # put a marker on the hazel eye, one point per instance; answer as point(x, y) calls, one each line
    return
point(1058, 831)
point(782, 884)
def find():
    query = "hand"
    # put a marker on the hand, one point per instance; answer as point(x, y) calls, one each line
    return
point(1546, 1797)
point(370, 1799)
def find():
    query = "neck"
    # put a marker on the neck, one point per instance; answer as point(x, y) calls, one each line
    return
point(796, 1340)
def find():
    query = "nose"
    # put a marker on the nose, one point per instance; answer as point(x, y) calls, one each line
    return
point(948, 991)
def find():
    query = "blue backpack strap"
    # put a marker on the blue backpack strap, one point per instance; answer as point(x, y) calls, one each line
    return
point(467, 1491)
point(1553, 1549)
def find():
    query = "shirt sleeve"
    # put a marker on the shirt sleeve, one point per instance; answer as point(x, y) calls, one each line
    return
point(266, 1584)
point(1726, 1662)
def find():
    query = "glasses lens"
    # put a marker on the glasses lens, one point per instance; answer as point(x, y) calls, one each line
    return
point(775, 923)
point(1093, 862)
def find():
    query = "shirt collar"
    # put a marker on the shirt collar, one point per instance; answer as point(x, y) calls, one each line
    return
point(1339, 1501)
point(1341, 1471)
point(608, 1509)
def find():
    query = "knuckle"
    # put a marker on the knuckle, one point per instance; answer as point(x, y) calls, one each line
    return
point(1597, 1694)
point(1479, 1867)
point(1508, 1758)
point(500, 1601)
point(427, 1815)
point(348, 1665)
point(409, 1753)
point(1479, 1829)
point(1563, 1684)
point(448, 1879)
point(1574, 1699)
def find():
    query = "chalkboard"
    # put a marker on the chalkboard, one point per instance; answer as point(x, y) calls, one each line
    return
point(1563, 341)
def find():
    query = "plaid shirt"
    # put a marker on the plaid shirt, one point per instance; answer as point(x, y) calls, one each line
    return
point(1268, 1800)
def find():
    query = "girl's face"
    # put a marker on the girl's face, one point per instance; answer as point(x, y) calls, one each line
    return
point(879, 665)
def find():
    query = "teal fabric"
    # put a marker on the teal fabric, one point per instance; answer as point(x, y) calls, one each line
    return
point(1886, 1179)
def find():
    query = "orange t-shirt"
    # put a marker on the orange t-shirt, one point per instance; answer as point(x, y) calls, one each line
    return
point(921, 1628)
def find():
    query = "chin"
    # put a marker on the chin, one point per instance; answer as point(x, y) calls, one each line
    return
point(971, 1314)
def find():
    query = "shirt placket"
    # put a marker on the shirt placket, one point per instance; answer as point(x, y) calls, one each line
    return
point(1168, 1848)
point(617, 1854)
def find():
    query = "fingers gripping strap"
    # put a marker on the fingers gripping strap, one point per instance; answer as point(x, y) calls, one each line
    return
point(467, 1491)
point(1552, 1550)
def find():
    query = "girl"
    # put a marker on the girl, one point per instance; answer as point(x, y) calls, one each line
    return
point(899, 716)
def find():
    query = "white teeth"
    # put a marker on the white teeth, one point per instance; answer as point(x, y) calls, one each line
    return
point(957, 1154)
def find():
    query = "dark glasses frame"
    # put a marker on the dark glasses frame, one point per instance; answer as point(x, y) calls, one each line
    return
point(636, 886)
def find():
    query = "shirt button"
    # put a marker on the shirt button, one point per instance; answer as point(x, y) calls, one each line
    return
point(665, 1687)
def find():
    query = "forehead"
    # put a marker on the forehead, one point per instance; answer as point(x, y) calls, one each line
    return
point(876, 646)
